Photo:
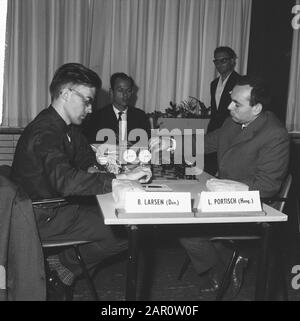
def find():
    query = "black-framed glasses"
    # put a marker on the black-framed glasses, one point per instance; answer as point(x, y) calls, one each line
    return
point(87, 101)
point(221, 61)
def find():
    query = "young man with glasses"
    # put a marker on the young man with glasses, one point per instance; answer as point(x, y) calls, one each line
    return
point(53, 159)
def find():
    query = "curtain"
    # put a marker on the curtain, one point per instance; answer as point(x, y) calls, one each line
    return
point(165, 45)
point(41, 35)
point(293, 104)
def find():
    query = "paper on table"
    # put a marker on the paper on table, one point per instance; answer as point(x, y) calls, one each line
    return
point(225, 185)
point(119, 189)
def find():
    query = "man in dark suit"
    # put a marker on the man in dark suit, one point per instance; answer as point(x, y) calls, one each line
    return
point(118, 116)
point(53, 159)
point(252, 148)
point(220, 88)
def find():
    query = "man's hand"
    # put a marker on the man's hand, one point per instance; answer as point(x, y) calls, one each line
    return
point(157, 144)
point(105, 153)
point(140, 173)
point(93, 169)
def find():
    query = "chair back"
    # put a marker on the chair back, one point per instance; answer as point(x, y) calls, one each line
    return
point(283, 194)
point(21, 255)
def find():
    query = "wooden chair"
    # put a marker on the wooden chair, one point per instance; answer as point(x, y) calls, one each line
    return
point(57, 245)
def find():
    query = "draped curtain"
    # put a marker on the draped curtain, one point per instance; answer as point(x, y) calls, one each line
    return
point(165, 45)
point(41, 35)
point(293, 105)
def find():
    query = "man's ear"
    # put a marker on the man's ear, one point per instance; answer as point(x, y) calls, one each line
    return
point(233, 62)
point(257, 109)
point(65, 94)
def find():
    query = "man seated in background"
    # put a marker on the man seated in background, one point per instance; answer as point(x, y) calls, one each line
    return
point(220, 89)
point(119, 114)
point(53, 159)
point(252, 148)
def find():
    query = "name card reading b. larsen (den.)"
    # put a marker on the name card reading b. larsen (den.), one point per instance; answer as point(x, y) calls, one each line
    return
point(239, 201)
point(158, 202)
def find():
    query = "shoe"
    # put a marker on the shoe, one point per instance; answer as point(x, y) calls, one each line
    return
point(237, 276)
point(57, 290)
point(210, 282)
point(211, 287)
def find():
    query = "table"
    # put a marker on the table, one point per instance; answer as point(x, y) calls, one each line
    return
point(183, 123)
point(107, 207)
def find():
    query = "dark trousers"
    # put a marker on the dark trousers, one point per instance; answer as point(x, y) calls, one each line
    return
point(80, 222)
point(211, 163)
point(206, 254)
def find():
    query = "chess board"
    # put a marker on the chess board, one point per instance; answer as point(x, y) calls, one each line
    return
point(169, 172)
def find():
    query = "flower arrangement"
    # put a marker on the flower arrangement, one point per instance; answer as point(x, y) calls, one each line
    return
point(191, 108)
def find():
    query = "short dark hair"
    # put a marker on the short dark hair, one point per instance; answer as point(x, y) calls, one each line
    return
point(228, 50)
point(120, 75)
point(260, 92)
point(76, 74)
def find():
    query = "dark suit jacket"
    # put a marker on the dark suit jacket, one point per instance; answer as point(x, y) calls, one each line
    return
point(257, 155)
point(51, 160)
point(21, 252)
point(106, 118)
point(219, 115)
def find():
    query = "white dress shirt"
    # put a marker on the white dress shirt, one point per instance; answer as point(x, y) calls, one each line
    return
point(220, 87)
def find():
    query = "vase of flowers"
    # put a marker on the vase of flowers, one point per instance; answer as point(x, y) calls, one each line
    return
point(191, 108)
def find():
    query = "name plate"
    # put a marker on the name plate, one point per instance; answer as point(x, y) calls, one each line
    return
point(247, 201)
point(157, 202)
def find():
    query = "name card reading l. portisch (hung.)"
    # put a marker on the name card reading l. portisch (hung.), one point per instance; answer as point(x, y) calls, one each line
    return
point(158, 202)
point(247, 201)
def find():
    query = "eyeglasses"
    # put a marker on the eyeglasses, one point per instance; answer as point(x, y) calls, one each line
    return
point(221, 61)
point(87, 101)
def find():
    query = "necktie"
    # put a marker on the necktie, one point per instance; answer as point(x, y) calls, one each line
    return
point(70, 145)
point(120, 115)
point(69, 133)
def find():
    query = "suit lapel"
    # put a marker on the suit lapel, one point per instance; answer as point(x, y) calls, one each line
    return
point(240, 135)
point(229, 85)
point(112, 115)
point(213, 94)
point(130, 119)
point(112, 119)
point(214, 85)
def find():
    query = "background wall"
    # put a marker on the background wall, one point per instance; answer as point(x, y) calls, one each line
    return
point(270, 46)
point(42, 26)
point(165, 45)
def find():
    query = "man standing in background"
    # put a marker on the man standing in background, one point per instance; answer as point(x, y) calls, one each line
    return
point(220, 89)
